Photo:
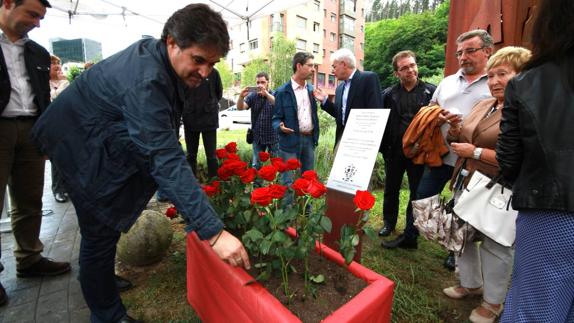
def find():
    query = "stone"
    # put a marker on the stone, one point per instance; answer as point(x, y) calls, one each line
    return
point(147, 241)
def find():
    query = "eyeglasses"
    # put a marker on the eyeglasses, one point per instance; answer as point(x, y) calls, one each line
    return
point(468, 51)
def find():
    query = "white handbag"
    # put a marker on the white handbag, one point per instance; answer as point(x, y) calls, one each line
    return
point(485, 204)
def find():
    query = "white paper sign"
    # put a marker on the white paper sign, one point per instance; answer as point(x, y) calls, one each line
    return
point(358, 150)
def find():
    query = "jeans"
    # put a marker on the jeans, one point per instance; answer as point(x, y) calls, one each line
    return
point(432, 183)
point(306, 155)
point(272, 149)
point(97, 261)
point(395, 168)
point(209, 143)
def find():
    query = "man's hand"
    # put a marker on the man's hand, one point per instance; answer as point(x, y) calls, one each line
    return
point(450, 118)
point(285, 129)
point(230, 249)
point(244, 92)
point(319, 94)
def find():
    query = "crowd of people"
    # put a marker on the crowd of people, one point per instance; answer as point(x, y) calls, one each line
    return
point(112, 136)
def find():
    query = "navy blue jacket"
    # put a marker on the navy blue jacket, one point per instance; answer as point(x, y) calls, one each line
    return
point(111, 135)
point(364, 93)
point(286, 112)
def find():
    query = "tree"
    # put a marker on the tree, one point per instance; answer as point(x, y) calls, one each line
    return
point(425, 34)
point(225, 74)
point(250, 70)
point(280, 58)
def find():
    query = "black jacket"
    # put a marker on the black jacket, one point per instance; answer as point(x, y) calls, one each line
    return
point(535, 149)
point(393, 137)
point(201, 105)
point(37, 61)
point(364, 93)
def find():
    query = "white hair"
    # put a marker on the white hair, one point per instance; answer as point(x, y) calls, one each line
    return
point(346, 55)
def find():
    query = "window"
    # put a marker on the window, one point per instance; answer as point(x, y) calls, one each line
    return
point(301, 22)
point(324, 33)
point(316, 26)
point(271, 42)
point(253, 44)
point(301, 44)
point(323, 52)
point(362, 46)
point(347, 24)
point(362, 28)
point(333, 17)
point(363, 13)
point(242, 48)
point(331, 80)
point(347, 42)
point(315, 48)
point(317, 5)
point(276, 23)
point(321, 79)
point(325, 13)
point(332, 36)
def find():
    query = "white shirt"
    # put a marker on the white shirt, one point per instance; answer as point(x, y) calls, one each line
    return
point(21, 95)
point(303, 106)
point(56, 87)
point(455, 93)
point(345, 95)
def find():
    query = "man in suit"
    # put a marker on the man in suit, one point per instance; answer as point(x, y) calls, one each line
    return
point(404, 100)
point(112, 136)
point(24, 95)
point(356, 90)
point(295, 118)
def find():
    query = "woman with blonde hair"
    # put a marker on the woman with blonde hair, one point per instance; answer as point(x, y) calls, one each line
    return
point(484, 267)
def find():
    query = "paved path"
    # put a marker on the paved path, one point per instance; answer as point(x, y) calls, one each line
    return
point(49, 299)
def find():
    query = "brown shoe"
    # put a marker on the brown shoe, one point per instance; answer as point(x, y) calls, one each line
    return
point(3, 296)
point(44, 267)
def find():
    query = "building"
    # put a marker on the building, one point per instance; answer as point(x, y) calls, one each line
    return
point(319, 27)
point(76, 50)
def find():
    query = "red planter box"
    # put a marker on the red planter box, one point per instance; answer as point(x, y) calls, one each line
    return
point(221, 293)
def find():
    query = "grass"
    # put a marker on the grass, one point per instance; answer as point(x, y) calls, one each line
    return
point(160, 292)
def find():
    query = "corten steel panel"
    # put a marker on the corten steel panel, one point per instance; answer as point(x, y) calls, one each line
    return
point(508, 21)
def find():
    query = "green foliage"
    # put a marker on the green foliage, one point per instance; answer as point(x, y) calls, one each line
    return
point(74, 72)
point(425, 34)
point(280, 58)
point(225, 74)
point(251, 69)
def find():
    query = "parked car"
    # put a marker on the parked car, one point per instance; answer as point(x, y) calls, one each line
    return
point(232, 115)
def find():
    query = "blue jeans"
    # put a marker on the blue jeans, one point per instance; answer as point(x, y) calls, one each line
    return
point(306, 155)
point(97, 261)
point(272, 149)
point(432, 183)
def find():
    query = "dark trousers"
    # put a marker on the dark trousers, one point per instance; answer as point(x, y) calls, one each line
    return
point(432, 183)
point(22, 167)
point(97, 261)
point(209, 143)
point(395, 168)
point(57, 181)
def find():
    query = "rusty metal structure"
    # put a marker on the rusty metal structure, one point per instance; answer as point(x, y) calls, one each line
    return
point(508, 21)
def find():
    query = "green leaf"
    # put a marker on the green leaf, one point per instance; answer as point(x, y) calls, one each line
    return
point(326, 224)
point(356, 239)
point(254, 235)
point(369, 232)
point(279, 236)
point(265, 246)
point(318, 279)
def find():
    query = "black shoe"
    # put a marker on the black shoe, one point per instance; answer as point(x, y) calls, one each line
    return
point(3, 296)
point(400, 242)
point(450, 262)
point(44, 267)
point(386, 231)
point(122, 283)
point(128, 319)
point(61, 197)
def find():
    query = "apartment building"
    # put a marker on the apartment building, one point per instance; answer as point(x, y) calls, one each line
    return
point(318, 26)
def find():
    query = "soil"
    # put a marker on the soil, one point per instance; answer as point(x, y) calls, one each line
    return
point(337, 289)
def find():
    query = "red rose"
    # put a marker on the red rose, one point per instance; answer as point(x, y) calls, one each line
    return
point(171, 212)
point(364, 200)
point(293, 164)
point(300, 186)
point(233, 156)
point(261, 196)
point(316, 189)
point(231, 147)
point(267, 172)
point(215, 184)
point(210, 190)
point(236, 166)
point(221, 153)
point(264, 156)
point(248, 175)
point(279, 164)
point(224, 172)
point(310, 175)
point(277, 191)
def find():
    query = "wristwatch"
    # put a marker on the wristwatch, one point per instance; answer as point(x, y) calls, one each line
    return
point(476, 153)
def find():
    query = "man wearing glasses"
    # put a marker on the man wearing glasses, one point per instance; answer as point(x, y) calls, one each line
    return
point(456, 94)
